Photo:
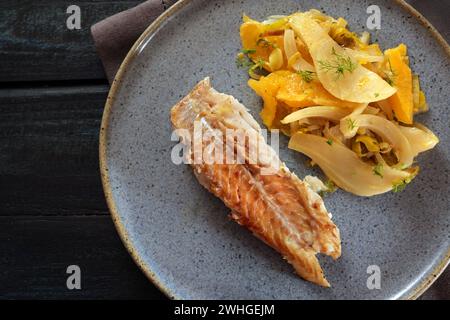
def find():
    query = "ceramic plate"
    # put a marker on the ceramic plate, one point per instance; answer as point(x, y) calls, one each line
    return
point(180, 234)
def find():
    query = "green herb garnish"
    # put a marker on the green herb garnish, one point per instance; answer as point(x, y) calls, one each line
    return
point(243, 59)
point(377, 94)
point(400, 186)
point(378, 170)
point(330, 142)
point(256, 66)
point(389, 76)
point(339, 65)
point(401, 166)
point(351, 124)
point(330, 188)
point(265, 43)
point(307, 76)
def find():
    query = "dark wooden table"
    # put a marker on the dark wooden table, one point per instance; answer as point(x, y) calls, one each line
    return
point(52, 210)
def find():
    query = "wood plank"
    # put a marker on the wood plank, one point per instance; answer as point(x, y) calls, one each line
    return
point(440, 290)
point(49, 151)
point(37, 250)
point(35, 43)
point(434, 13)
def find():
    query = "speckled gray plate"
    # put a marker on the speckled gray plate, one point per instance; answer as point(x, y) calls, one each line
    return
point(180, 235)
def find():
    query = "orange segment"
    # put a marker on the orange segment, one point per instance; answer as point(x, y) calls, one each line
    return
point(251, 32)
point(402, 101)
point(297, 93)
point(288, 88)
point(267, 88)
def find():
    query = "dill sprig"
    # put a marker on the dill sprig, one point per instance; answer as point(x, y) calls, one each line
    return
point(265, 43)
point(306, 75)
point(390, 75)
point(351, 123)
point(259, 65)
point(399, 186)
point(243, 59)
point(339, 65)
point(378, 170)
point(330, 188)
point(248, 51)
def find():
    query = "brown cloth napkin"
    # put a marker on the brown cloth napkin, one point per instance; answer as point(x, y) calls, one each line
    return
point(114, 36)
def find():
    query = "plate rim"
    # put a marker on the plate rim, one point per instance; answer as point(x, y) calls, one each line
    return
point(137, 47)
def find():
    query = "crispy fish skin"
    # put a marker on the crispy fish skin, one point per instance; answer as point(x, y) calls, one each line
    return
point(278, 207)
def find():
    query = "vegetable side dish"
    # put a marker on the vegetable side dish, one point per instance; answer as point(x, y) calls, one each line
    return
point(343, 102)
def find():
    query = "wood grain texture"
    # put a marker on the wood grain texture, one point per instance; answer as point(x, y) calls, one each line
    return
point(436, 13)
point(36, 252)
point(440, 290)
point(49, 151)
point(36, 45)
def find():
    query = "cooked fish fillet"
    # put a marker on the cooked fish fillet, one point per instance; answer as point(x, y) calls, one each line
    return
point(263, 196)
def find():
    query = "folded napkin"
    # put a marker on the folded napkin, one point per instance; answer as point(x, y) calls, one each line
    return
point(114, 36)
